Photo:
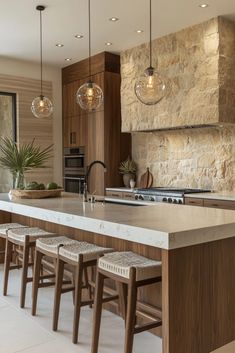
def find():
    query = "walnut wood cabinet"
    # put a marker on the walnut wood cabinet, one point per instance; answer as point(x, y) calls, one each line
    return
point(98, 131)
point(229, 205)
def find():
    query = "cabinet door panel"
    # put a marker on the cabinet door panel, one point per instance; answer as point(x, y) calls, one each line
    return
point(77, 109)
point(95, 150)
point(66, 139)
point(230, 205)
point(193, 201)
point(78, 130)
point(68, 100)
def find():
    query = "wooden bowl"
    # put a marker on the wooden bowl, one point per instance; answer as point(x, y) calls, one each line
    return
point(35, 194)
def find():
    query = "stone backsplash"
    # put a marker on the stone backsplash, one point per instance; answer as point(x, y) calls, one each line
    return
point(196, 158)
point(199, 63)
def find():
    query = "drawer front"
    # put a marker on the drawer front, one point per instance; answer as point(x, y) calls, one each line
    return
point(230, 205)
point(193, 201)
point(128, 195)
point(114, 194)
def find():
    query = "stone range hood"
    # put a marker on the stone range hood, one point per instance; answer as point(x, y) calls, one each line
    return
point(199, 64)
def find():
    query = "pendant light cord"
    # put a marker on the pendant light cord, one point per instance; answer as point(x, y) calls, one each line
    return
point(41, 48)
point(150, 31)
point(89, 25)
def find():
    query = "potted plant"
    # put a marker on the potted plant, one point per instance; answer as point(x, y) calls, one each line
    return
point(19, 159)
point(128, 168)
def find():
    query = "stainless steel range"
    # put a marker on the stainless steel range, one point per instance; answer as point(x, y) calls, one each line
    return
point(160, 194)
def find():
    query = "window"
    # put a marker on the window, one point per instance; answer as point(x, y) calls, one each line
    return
point(7, 129)
point(8, 115)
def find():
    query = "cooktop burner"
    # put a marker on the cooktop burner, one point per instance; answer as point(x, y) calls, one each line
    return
point(163, 194)
point(162, 190)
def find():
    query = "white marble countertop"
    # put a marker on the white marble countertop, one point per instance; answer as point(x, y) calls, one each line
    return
point(223, 195)
point(166, 226)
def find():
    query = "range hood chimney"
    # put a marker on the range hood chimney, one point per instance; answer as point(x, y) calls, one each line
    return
point(199, 63)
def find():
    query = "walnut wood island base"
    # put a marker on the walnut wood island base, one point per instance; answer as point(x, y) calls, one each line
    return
point(196, 246)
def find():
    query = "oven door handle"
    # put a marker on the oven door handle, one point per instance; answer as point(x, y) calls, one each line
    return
point(74, 178)
point(75, 156)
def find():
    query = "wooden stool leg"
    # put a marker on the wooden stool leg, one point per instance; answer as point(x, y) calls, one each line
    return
point(131, 312)
point(25, 266)
point(7, 263)
point(88, 286)
point(97, 311)
point(122, 291)
point(78, 299)
point(57, 294)
point(36, 278)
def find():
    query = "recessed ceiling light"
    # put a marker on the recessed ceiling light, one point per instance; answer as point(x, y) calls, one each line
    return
point(139, 31)
point(113, 19)
point(203, 6)
point(108, 43)
point(59, 45)
point(68, 59)
point(78, 36)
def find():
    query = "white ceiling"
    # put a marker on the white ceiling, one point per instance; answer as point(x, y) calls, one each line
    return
point(19, 25)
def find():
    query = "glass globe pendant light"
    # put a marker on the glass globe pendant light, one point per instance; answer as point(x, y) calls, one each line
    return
point(150, 87)
point(89, 96)
point(41, 106)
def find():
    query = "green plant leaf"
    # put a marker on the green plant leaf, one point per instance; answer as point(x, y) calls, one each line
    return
point(24, 157)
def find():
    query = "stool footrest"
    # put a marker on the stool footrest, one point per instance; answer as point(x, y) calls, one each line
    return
point(46, 284)
point(15, 267)
point(110, 298)
point(47, 277)
point(148, 326)
point(67, 289)
point(87, 302)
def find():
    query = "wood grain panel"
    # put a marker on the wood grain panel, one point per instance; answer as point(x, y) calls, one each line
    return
point(5, 217)
point(193, 201)
point(230, 205)
point(99, 63)
point(199, 297)
point(29, 127)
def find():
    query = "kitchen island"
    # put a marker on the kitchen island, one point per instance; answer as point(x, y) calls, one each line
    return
point(196, 247)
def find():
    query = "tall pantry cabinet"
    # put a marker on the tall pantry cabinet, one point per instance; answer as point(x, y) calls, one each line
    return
point(99, 131)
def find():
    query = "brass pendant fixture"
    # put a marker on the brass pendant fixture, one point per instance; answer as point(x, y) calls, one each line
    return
point(89, 96)
point(150, 87)
point(41, 105)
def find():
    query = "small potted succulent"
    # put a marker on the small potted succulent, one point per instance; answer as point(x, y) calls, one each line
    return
point(128, 168)
point(21, 159)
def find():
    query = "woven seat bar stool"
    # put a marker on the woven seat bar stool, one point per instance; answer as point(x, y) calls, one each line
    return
point(4, 229)
point(49, 248)
point(132, 271)
point(81, 255)
point(25, 238)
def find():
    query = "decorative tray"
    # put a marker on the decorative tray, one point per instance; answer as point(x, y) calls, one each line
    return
point(35, 194)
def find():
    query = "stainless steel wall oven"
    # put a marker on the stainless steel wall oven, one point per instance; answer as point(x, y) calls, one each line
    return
point(74, 169)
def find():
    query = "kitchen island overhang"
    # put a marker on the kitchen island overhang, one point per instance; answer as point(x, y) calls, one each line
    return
point(196, 247)
point(165, 226)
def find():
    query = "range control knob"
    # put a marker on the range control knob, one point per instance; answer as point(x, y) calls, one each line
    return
point(180, 201)
point(141, 197)
point(169, 199)
point(151, 198)
point(136, 197)
point(164, 199)
point(175, 201)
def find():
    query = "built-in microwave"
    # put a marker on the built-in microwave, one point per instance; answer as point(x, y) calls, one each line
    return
point(74, 160)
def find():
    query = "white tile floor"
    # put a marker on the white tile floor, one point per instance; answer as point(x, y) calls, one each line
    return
point(22, 333)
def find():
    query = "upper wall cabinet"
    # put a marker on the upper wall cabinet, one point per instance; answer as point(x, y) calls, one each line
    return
point(199, 66)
